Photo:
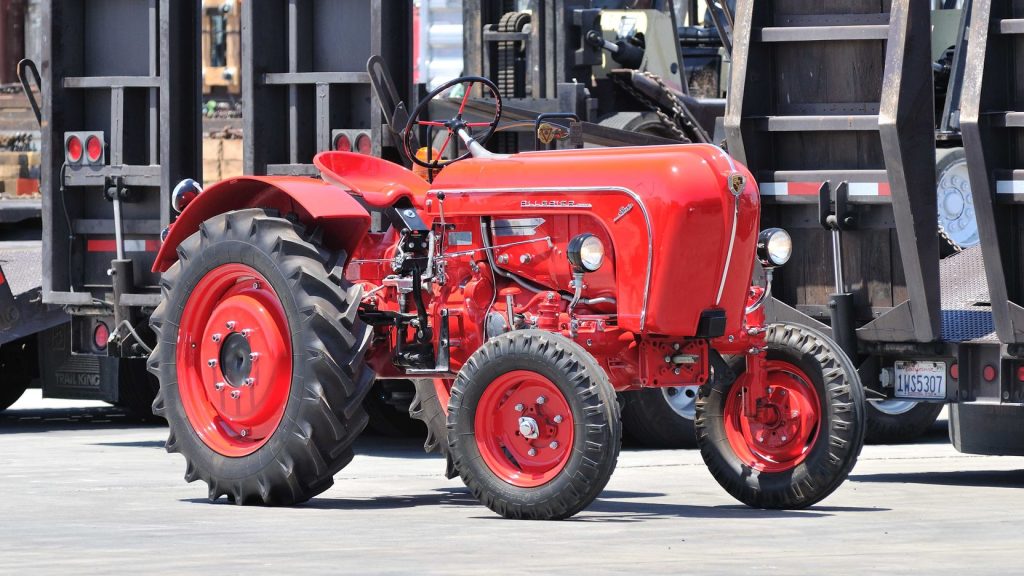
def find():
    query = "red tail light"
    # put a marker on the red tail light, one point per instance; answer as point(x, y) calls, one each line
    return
point(342, 143)
point(73, 149)
point(93, 148)
point(363, 144)
point(101, 335)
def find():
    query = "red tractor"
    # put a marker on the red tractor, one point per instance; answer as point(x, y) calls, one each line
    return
point(520, 292)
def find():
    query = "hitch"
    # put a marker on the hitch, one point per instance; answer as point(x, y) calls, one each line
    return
point(841, 304)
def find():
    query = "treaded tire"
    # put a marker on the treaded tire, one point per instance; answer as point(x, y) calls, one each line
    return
point(649, 420)
point(16, 359)
point(840, 436)
point(885, 428)
point(323, 414)
point(428, 408)
point(597, 430)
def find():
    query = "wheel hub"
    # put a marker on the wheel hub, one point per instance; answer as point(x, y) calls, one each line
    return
point(235, 359)
point(524, 428)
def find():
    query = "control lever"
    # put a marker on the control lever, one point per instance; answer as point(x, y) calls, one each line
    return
point(841, 304)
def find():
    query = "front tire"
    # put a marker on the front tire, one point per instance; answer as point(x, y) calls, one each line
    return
point(533, 426)
point(814, 441)
point(260, 360)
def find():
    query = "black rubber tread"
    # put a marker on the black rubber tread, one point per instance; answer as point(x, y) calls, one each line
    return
point(649, 420)
point(16, 367)
point(426, 407)
point(839, 442)
point(885, 428)
point(640, 122)
point(387, 405)
point(595, 411)
point(324, 414)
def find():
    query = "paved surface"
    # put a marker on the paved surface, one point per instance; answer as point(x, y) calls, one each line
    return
point(85, 490)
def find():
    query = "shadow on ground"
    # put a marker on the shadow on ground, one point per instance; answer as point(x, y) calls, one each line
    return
point(972, 478)
point(54, 419)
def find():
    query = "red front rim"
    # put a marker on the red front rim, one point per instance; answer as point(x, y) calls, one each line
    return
point(524, 428)
point(787, 423)
point(234, 360)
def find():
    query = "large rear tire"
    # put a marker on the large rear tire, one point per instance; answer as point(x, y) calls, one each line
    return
point(533, 426)
point(260, 359)
point(817, 435)
point(661, 417)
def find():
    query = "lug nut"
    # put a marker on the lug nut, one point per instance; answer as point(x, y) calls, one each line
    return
point(254, 356)
point(230, 324)
point(250, 381)
point(235, 394)
point(532, 451)
point(541, 399)
point(246, 332)
point(784, 438)
point(553, 445)
point(519, 408)
point(211, 362)
point(219, 386)
point(255, 285)
point(243, 432)
point(216, 337)
point(558, 419)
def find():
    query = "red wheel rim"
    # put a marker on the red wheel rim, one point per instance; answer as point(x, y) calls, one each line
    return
point(786, 427)
point(536, 457)
point(234, 360)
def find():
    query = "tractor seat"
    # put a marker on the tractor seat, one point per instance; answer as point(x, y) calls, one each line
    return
point(379, 182)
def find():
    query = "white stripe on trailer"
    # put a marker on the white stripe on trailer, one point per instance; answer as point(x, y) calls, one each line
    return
point(134, 245)
point(1010, 187)
point(863, 189)
point(774, 189)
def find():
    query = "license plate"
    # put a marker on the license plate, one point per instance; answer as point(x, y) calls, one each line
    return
point(924, 380)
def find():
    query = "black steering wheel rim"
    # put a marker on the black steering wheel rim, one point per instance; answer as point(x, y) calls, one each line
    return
point(453, 124)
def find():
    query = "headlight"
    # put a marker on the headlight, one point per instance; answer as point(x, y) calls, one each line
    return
point(586, 253)
point(774, 247)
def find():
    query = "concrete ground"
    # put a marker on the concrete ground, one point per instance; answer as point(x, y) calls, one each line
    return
point(85, 490)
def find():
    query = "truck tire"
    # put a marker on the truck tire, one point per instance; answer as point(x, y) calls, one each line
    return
point(533, 426)
point(660, 417)
point(16, 366)
point(640, 122)
point(895, 421)
point(958, 224)
point(430, 406)
point(260, 356)
point(801, 460)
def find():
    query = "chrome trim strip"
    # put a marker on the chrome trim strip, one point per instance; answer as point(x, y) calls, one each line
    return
point(590, 189)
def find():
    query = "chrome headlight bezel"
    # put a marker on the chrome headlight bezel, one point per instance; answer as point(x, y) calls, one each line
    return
point(774, 247)
point(586, 253)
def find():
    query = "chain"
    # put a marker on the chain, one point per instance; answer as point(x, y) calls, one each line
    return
point(680, 120)
point(665, 119)
point(943, 235)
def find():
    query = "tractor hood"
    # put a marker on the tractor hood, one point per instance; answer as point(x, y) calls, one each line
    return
point(683, 241)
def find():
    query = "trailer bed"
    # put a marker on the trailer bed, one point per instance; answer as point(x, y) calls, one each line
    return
point(966, 305)
point(22, 312)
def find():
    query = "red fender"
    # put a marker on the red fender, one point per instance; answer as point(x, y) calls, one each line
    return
point(316, 203)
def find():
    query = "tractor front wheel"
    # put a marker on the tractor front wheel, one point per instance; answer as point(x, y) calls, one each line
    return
point(809, 430)
point(260, 360)
point(533, 426)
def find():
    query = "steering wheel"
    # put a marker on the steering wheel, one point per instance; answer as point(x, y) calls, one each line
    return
point(455, 125)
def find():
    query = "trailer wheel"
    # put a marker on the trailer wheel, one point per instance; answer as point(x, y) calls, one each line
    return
point(533, 426)
point(812, 445)
point(430, 406)
point(661, 417)
point(640, 122)
point(958, 225)
point(260, 359)
point(16, 365)
point(894, 421)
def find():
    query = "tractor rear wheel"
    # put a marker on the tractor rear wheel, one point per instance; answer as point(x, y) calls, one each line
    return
point(533, 426)
point(660, 417)
point(260, 359)
point(807, 449)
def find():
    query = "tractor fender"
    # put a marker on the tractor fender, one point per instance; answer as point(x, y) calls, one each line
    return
point(343, 220)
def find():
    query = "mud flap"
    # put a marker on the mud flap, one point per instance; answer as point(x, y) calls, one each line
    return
point(996, 429)
point(8, 307)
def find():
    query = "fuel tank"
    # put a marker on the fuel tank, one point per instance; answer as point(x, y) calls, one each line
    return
point(682, 240)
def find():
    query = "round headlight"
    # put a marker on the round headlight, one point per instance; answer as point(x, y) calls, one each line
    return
point(586, 253)
point(774, 247)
